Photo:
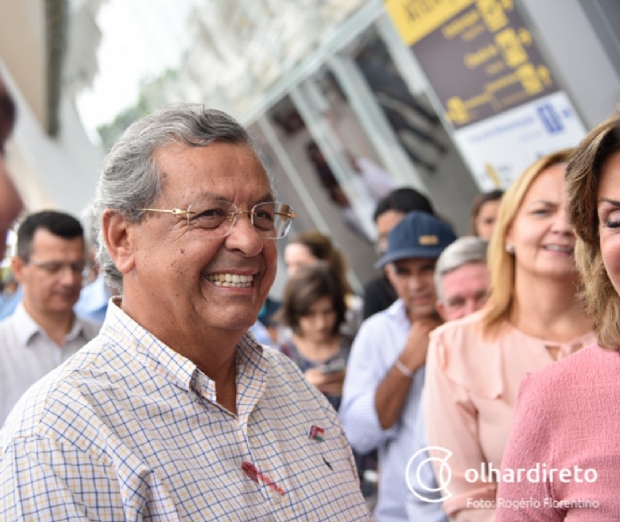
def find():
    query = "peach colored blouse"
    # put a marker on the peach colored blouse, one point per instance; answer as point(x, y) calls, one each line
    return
point(470, 394)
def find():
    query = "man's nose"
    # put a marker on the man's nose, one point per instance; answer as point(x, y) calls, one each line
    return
point(472, 305)
point(69, 276)
point(415, 282)
point(244, 236)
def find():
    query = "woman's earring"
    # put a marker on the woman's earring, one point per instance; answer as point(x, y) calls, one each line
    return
point(510, 248)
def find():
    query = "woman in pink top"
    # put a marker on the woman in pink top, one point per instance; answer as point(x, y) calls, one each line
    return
point(567, 415)
point(532, 318)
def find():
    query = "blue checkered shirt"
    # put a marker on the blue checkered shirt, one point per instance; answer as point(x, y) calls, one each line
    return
point(128, 429)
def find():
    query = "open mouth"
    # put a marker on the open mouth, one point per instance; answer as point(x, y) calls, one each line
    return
point(559, 248)
point(231, 280)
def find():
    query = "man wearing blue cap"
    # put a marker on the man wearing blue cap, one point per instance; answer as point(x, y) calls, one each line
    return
point(381, 405)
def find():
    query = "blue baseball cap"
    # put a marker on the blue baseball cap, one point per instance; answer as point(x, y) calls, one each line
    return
point(418, 235)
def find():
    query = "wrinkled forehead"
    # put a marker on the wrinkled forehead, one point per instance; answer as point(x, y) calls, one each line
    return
point(45, 240)
point(213, 171)
point(468, 275)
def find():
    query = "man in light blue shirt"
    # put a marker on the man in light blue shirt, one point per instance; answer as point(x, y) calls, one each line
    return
point(8, 305)
point(381, 405)
point(93, 301)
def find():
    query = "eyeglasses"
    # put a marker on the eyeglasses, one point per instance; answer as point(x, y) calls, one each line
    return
point(56, 267)
point(271, 220)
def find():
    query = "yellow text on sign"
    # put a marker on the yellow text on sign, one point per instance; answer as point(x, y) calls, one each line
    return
point(415, 19)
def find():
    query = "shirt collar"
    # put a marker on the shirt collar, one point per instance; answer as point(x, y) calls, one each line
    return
point(27, 327)
point(398, 310)
point(251, 362)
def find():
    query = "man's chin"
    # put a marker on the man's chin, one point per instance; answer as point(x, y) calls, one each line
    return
point(421, 311)
point(63, 308)
point(239, 323)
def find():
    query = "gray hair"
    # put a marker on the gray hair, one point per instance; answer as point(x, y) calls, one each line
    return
point(130, 178)
point(467, 249)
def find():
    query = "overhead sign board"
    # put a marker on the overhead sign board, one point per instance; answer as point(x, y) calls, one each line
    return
point(492, 81)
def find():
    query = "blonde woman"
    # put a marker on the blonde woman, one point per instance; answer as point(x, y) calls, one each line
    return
point(533, 317)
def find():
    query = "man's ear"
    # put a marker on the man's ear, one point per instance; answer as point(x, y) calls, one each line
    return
point(389, 272)
point(441, 310)
point(17, 267)
point(116, 235)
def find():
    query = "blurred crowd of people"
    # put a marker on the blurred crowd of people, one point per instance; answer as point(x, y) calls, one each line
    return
point(499, 347)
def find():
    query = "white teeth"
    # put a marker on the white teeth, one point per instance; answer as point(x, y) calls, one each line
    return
point(557, 248)
point(231, 280)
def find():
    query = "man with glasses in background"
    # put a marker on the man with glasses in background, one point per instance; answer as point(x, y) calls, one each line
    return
point(175, 412)
point(43, 331)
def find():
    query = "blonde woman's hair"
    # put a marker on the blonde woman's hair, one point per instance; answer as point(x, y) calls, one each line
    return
point(583, 176)
point(501, 263)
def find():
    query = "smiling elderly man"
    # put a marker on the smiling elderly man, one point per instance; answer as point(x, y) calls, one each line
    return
point(174, 412)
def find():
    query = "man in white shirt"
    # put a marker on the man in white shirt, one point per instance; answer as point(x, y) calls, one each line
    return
point(381, 403)
point(43, 331)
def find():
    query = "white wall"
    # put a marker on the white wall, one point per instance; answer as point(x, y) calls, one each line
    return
point(576, 54)
point(58, 172)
